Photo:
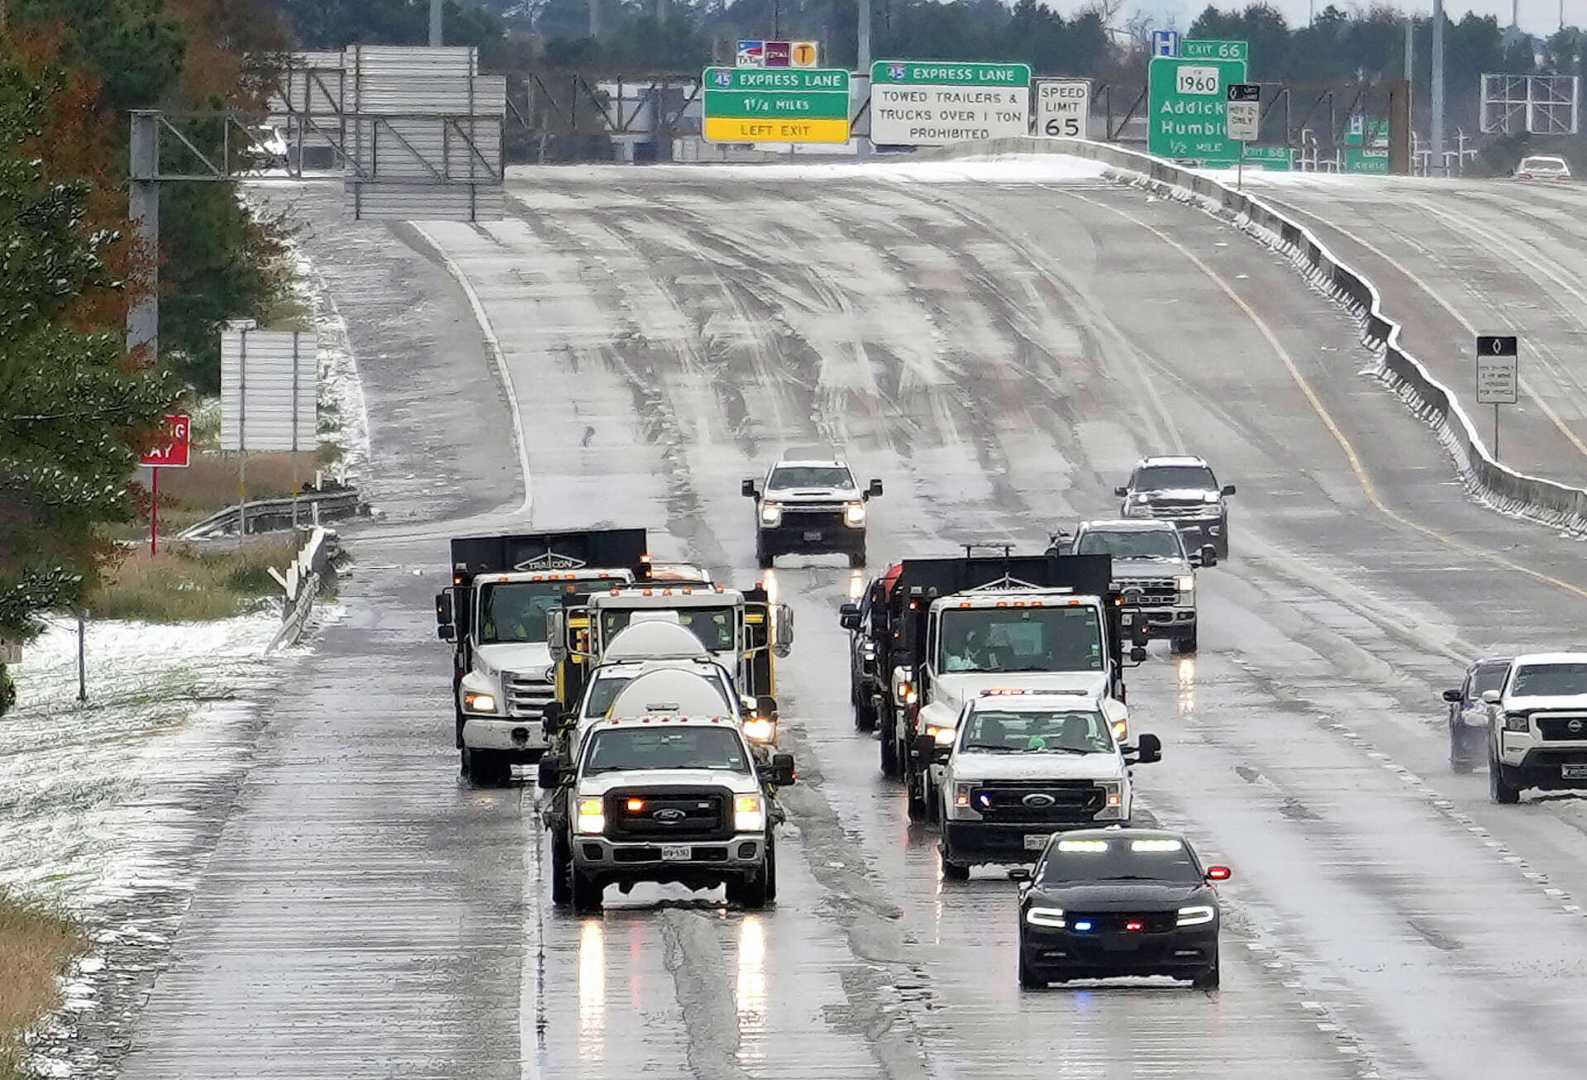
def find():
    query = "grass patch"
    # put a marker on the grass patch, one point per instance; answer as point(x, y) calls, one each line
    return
point(36, 944)
point(211, 482)
point(192, 583)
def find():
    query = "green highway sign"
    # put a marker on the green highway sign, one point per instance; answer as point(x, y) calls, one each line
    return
point(948, 73)
point(780, 105)
point(938, 102)
point(1203, 49)
point(1185, 102)
point(1270, 158)
point(1358, 160)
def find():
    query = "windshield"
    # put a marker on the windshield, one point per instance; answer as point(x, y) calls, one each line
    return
point(714, 626)
point(1021, 639)
point(1131, 544)
point(516, 610)
point(1488, 677)
point(1163, 477)
point(809, 476)
point(1549, 680)
point(1542, 163)
point(631, 749)
point(1070, 861)
point(1078, 731)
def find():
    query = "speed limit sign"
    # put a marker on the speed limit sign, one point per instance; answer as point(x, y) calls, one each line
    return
point(1063, 108)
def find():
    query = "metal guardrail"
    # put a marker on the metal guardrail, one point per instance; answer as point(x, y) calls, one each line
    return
point(275, 515)
point(1547, 502)
point(304, 581)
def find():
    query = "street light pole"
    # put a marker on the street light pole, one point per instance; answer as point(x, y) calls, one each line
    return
point(1436, 165)
point(435, 23)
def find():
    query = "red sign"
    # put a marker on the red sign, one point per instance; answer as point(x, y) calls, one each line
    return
point(171, 451)
point(778, 53)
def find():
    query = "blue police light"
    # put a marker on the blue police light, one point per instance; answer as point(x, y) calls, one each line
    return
point(1083, 925)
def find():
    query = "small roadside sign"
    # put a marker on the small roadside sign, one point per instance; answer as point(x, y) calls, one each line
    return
point(804, 54)
point(1165, 42)
point(1498, 375)
point(779, 54)
point(174, 446)
point(1206, 49)
point(1063, 108)
point(751, 53)
point(1243, 111)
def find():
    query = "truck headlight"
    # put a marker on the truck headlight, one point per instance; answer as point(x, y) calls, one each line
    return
point(1112, 800)
point(961, 796)
point(592, 818)
point(1045, 916)
point(1210, 497)
point(1515, 721)
point(854, 515)
point(771, 514)
point(943, 735)
point(749, 813)
point(1187, 583)
point(480, 703)
point(760, 729)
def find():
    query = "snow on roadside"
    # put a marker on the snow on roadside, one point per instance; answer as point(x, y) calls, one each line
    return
point(338, 369)
point(991, 168)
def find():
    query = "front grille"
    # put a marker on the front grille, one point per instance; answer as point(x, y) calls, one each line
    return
point(670, 814)
point(527, 695)
point(1004, 801)
point(812, 515)
point(1558, 727)
point(651, 853)
point(1155, 592)
point(1196, 509)
point(1114, 922)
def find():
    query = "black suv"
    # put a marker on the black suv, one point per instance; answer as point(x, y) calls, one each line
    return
point(1184, 491)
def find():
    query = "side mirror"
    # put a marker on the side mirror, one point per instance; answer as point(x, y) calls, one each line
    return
point(783, 631)
point(875, 490)
point(849, 616)
point(1209, 555)
point(925, 747)
point(1491, 697)
point(445, 622)
point(1019, 873)
point(1452, 696)
point(551, 771)
point(1137, 654)
point(1148, 749)
point(747, 489)
point(1219, 873)
point(783, 772)
point(1121, 492)
point(557, 635)
point(551, 718)
point(1228, 489)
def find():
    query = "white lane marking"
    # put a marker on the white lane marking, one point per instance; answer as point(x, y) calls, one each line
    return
point(1469, 327)
point(497, 354)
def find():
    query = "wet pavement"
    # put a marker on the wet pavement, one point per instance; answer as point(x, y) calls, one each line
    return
point(999, 353)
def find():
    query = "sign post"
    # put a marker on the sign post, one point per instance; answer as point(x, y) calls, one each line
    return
point(1063, 108)
point(937, 102)
point(1498, 376)
point(1243, 119)
point(788, 104)
point(1186, 99)
point(172, 451)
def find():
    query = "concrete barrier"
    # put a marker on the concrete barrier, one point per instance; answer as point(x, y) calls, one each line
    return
point(1547, 502)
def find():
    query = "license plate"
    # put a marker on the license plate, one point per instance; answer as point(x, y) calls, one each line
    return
point(1573, 772)
point(1035, 843)
point(676, 853)
point(812, 534)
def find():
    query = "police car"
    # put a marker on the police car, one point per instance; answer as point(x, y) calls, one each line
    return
point(1027, 763)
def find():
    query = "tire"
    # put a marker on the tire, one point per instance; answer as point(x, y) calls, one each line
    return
point(1182, 646)
point(1028, 979)
point(1222, 544)
point(763, 559)
point(917, 803)
point(771, 869)
point(952, 871)
point(933, 803)
point(890, 763)
point(459, 727)
point(1499, 790)
point(864, 717)
point(1207, 980)
point(856, 560)
point(749, 892)
point(561, 872)
point(584, 893)
point(485, 768)
point(1458, 762)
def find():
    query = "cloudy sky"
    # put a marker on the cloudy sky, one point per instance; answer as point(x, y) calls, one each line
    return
point(1537, 16)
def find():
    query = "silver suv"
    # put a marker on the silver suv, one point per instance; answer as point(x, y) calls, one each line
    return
point(1154, 572)
point(1184, 491)
point(809, 504)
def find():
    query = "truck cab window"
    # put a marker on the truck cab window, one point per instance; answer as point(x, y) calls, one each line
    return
point(1020, 639)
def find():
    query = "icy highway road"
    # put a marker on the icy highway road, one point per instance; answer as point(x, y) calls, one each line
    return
point(999, 343)
point(1457, 258)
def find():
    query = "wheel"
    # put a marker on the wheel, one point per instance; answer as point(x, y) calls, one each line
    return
point(1028, 979)
point(749, 892)
point(1207, 980)
point(561, 871)
point(1498, 788)
point(890, 767)
point(1184, 645)
point(952, 871)
point(1222, 543)
point(864, 717)
point(856, 560)
point(585, 894)
point(485, 768)
point(917, 800)
point(763, 558)
point(933, 803)
point(459, 728)
point(771, 869)
point(1458, 761)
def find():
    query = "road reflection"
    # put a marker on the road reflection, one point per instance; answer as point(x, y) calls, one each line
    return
point(592, 988)
point(751, 996)
point(1185, 669)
